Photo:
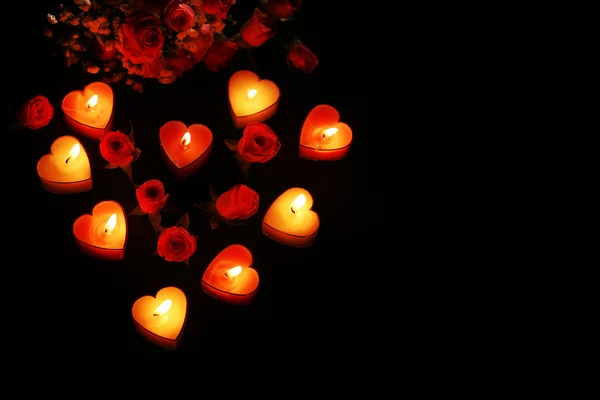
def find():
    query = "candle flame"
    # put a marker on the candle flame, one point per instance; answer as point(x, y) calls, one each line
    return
point(92, 101)
point(163, 308)
point(328, 132)
point(298, 203)
point(252, 93)
point(186, 139)
point(235, 271)
point(110, 225)
point(74, 152)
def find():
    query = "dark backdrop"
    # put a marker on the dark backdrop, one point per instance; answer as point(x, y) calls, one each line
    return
point(78, 306)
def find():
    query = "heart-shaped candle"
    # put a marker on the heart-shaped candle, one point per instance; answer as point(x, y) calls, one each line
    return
point(89, 112)
point(323, 136)
point(230, 276)
point(251, 99)
point(161, 319)
point(103, 233)
point(290, 220)
point(184, 148)
point(67, 168)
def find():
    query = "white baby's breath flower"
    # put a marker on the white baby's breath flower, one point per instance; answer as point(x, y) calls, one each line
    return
point(48, 32)
point(52, 19)
point(193, 33)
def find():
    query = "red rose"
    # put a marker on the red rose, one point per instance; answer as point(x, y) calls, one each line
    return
point(179, 16)
point(258, 29)
point(151, 196)
point(216, 6)
point(259, 143)
point(283, 9)
point(141, 38)
point(219, 55)
point(36, 113)
point(239, 202)
point(116, 148)
point(176, 244)
point(302, 58)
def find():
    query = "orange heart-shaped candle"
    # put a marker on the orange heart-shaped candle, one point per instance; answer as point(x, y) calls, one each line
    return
point(103, 233)
point(161, 319)
point(323, 136)
point(290, 220)
point(230, 276)
point(67, 168)
point(251, 99)
point(89, 111)
point(184, 148)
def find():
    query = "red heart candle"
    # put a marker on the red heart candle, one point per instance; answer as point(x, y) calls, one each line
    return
point(185, 149)
point(90, 111)
point(251, 99)
point(67, 168)
point(161, 319)
point(103, 233)
point(230, 276)
point(323, 136)
point(290, 220)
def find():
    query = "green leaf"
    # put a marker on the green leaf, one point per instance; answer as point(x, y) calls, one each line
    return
point(184, 222)
point(215, 221)
point(159, 229)
point(131, 137)
point(231, 144)
point(245, 168)
point(155, 219)
point(128, 169)
point(213, 193)
point(136, 154)
point(137, 211)
point(187, 262)
point(234, 222)
point(209, 207)
point(110, 166)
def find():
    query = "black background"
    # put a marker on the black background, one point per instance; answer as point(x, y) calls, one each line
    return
point(77, 306)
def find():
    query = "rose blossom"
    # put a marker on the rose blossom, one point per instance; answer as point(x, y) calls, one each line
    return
point(176, 244)
point(239, 202)
point(36, 113)
point(219, 55)
point(259, 143)
point(179, 16)
point(258, 29)
point(216, 6)
point(303, 58)
point(151, 196)
point(116, 148)
point(283, 9)
point(142, 38)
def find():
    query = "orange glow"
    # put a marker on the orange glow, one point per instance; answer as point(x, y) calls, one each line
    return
point(297, 228)
point(92, 102)
point(235, 271)
point(298, 203)
point(186, 139)
point(251, 99)
point(110, 225)
point(74, 152)
point(252, 93)
point(164, 307)
point(328, 132)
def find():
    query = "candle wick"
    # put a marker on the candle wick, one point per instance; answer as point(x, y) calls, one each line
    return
point(67, 161)
point(155, 315)
point(106, 231)
point(292, 208)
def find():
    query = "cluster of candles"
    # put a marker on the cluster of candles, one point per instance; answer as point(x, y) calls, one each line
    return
point(230, 277)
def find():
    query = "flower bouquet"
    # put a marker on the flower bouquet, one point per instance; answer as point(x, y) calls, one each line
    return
point(139, 40)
